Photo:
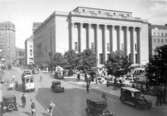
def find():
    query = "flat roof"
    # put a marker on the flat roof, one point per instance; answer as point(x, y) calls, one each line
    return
point(131, 89)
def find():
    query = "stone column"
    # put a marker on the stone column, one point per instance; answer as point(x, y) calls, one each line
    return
point(118, 37)
point(131, 45)
point(103, 42)
point(70, 30)
point(87, 36)
point(111, 38)
point(125, 39)
point(138, 45)
point(95, 39)
point(80, 26)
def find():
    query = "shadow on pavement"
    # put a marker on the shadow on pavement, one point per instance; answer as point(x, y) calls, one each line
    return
point(70, 103)
point(27, 113)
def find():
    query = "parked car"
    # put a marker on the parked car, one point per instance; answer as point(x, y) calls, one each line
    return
point(56, 87)
point(35, 70)
point(133, 97)
point(9, 103)
point(58, 75)
point(97, 107)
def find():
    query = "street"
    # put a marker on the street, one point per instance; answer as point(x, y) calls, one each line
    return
point(70, 103)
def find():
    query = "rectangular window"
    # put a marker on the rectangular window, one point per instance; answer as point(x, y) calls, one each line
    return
point(76, 46)
point(154, 40)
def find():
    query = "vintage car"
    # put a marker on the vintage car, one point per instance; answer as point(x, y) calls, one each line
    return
point(133, 97)
point(9, 103)
point(35, 70)
point(58, 75)
point(97, 107)
point(56, 87)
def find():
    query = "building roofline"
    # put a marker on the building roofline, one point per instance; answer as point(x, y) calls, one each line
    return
point(102, 9)
point(55, 13)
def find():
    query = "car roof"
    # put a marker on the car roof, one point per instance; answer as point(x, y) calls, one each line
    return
point(28, 75)
point(131, 89)
point(8, 96)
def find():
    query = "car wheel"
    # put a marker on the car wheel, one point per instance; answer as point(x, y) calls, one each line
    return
point(11, 107)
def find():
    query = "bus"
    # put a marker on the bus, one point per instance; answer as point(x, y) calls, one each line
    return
point(28, 83)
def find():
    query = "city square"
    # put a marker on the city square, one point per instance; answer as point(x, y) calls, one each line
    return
point(83, 58)
point(73, 101)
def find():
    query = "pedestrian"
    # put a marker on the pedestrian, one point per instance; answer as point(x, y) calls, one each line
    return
point(78, 76)
point(33, 110)
point(87, 85)
point(23, 101)
point(51, 107)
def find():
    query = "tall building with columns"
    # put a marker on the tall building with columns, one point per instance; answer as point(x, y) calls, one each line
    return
point(101, 30)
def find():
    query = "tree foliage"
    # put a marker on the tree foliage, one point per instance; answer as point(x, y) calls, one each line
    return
point(156, 70)
point(117, 63)
point(59, 60)
point(71, 58)
point(87, 59)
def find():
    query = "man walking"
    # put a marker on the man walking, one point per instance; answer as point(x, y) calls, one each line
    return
point(23, 101)
point(51, 107)
point(33, 110)
point(87, 85)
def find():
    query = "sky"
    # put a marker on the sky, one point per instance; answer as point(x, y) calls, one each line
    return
point(24, 12)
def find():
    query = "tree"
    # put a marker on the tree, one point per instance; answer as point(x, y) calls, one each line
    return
point(58, 59)
point(156, 70)
point(71, 58)
point(117, 63)
point(87, 59)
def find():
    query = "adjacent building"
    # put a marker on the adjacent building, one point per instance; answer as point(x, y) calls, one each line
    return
point(101, 30)
point(7, 42)
point(158, 37)
point(29, 46)
point(20, 56)
point(29, 56)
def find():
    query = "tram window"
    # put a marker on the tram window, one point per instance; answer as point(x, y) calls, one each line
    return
point(31, 80)
point(27, 80)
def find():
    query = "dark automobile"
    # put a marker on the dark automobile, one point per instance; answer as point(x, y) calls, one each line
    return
point(9, 103)
point(133, 97)
point(35, 70)
point(56, 87)
point(97, 107)
point(59, 75)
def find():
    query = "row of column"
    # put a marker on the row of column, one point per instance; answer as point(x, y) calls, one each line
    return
point(101, 42)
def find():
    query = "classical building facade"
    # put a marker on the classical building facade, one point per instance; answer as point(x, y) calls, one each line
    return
point(7, 42)
point(101, 30)
point(158, 37)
